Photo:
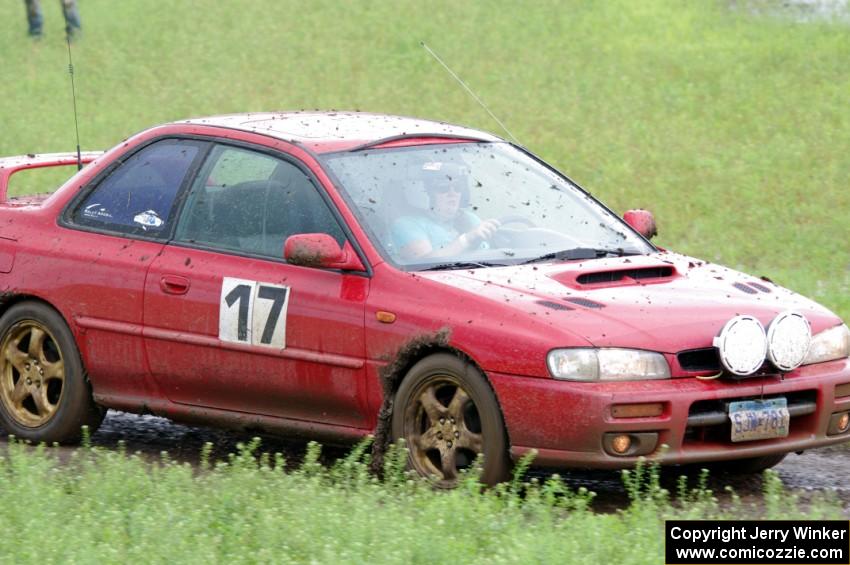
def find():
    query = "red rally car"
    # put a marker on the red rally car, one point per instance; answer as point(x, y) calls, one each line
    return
point(321, 274)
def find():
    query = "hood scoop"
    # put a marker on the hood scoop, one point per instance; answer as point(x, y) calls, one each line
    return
point(617, 276)
point(633, 274)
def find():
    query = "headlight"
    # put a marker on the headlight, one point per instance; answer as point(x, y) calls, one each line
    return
point(829, 345)
point(586, 364)
point(788, 338)
point(742, 345)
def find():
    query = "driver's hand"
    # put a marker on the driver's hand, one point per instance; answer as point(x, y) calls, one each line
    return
point(484, 230)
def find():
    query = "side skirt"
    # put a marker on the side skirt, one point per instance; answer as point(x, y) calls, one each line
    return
point(241, 421)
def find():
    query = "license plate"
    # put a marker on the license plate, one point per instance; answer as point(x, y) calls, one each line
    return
point(759, 419)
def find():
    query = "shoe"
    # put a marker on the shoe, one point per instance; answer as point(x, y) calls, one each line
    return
point(73, 33)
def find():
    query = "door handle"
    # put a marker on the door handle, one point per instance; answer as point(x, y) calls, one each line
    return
point(172, 284)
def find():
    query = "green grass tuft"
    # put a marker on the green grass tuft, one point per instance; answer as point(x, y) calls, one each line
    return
point(108, 506)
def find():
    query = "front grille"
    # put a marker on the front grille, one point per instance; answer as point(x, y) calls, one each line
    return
point(708, 359)
point(704, 359)
point(766, 370)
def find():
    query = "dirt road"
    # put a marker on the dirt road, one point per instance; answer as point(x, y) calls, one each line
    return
point(824, 470)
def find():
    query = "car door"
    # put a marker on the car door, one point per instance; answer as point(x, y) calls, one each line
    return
point(97, 267)
point(229, 324)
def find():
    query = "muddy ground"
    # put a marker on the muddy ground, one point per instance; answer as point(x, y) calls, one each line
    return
point(818, 471)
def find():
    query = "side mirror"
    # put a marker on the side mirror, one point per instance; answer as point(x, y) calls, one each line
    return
point(642, 222)
point(320, 250)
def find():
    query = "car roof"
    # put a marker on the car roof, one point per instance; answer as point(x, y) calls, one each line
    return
point(324, 132)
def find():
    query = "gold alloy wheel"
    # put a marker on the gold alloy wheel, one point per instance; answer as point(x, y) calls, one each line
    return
point(443, 428)
point(32, 377)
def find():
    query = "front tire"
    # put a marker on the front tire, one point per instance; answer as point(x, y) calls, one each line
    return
point(447, 414)
point(44, 393)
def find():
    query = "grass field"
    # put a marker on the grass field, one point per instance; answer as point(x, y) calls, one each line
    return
point(107, 507)
point(733, 128)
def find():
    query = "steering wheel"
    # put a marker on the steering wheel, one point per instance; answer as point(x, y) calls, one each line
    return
point(505, 237)
point(516, 219)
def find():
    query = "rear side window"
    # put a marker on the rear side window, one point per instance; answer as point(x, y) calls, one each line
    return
point(250, 202)
point(138, 197)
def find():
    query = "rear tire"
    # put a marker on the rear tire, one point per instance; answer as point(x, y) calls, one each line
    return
point(447, 413)
point(44, 393)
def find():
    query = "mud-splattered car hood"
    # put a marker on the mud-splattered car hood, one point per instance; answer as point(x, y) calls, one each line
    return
point(682, 308)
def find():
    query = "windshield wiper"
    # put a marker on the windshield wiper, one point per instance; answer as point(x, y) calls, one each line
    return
point(462, 265)
point(580, 253)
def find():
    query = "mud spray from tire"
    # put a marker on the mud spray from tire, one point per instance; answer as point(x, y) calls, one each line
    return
point(391, 376)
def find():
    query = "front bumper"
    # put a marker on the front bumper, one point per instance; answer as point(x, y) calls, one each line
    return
point(565, 422)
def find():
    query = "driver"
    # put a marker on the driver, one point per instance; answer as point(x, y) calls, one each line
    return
point(444, 229)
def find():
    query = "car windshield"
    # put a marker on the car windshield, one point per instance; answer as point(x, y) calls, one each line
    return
point(462, 205)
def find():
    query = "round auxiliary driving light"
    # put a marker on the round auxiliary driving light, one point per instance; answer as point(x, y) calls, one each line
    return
point(789, 336)
point(742, 344)
point(843, 422)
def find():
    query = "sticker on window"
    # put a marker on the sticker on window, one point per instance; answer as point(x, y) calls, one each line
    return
point(148, 219)
point(253, 313)
point(96, 210)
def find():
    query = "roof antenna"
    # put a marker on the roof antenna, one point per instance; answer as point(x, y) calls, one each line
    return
point(74, 98)
point(469, 90)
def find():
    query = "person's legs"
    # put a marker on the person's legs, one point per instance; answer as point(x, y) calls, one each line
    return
point(72, 17)
point(35, 19)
